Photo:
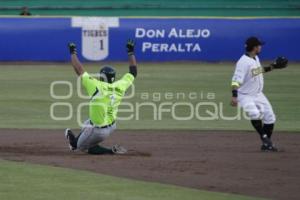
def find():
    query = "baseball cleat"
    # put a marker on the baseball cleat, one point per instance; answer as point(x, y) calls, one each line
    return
point(117, 149)
point(268, 148)
point(71, 139)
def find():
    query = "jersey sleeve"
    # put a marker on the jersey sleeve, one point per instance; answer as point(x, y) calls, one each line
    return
point(125, 82)
point(239, 74)
point(89, 83)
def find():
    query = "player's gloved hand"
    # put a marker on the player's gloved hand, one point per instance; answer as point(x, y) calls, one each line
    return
point(130, 47)
point(234, 102)
point(72, 48)
point(280, 63)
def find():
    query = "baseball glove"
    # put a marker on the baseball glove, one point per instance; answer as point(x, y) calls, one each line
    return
point(280, 63)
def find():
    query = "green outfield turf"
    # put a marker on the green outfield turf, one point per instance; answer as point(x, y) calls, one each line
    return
point(25, 99)
point(30, 182)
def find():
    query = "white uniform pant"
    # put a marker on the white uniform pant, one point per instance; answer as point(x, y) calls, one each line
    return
point(257, 107)
point(92, 135)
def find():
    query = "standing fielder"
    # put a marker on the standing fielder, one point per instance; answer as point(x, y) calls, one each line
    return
point(247, 90)
point(105, 97)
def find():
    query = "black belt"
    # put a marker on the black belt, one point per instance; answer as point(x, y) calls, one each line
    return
point(106, 126)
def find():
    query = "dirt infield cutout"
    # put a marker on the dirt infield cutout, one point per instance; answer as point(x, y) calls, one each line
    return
point(217, 161)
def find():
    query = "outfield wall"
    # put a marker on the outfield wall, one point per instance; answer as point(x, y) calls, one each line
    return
point(157, 39)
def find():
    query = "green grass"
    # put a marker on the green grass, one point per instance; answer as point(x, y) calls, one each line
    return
point(25, 95)
point(27, 181)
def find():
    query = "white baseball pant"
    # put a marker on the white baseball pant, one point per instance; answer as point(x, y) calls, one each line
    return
point(257, 107)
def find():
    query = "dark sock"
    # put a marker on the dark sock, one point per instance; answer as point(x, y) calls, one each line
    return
point(76, 139)
point(268, 128)
point(96, 150)
point(73, 140)
point(257, 124)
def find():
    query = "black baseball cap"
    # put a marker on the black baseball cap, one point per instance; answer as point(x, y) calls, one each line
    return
point(253, 42)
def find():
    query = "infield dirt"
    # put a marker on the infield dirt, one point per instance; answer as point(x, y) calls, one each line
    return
point(216, 161)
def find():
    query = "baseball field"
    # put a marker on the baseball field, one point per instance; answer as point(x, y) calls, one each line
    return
point(174, 153)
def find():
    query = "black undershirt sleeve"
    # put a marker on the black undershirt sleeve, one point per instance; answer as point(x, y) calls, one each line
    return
point(234, 93)
point(268, 69)
point(133, 70)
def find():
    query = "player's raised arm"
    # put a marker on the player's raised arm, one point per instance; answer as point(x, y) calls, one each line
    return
point(131, 58)
point(74, 60)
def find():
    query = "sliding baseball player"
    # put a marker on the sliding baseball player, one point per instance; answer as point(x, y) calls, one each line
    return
point(105, 96)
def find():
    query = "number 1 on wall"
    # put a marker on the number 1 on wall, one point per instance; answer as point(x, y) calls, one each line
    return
point(101, 44)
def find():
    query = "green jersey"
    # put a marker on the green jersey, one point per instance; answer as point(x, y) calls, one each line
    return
point(105, 97)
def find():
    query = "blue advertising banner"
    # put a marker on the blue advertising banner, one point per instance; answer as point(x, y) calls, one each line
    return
point(157, 39)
